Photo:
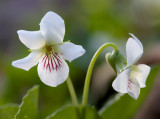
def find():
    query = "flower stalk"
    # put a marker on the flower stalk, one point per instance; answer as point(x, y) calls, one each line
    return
point(72, 92)
point(89, 71)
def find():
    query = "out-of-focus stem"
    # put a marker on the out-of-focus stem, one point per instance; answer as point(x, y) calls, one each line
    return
point(72, 92)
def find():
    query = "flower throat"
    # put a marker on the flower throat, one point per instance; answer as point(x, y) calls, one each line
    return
point(51, 60)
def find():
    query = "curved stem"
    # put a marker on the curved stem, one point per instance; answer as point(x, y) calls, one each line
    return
point(89, 71)
point(72, 92)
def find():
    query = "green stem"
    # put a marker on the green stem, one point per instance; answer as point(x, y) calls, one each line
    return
point(89, 71)
point(72, 92)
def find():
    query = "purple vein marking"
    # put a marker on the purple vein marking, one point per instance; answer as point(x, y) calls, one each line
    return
point(129, 83)
point(54, 62)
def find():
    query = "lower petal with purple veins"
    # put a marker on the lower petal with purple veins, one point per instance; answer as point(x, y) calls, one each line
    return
point(133, 88)
point(52, 69)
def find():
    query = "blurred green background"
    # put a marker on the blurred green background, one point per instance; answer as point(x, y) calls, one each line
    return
point(89, 23)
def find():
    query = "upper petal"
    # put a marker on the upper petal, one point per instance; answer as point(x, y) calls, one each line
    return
point(134, 51)
point(71, 51)
point(31, 39)
point(136, 39)
point(53, 70)
point(140, 73)
point(52, 28)
point(28, 62)
point(120, 84)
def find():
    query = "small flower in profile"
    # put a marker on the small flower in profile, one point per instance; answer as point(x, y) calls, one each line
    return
point(48, 49)
point(133, 77)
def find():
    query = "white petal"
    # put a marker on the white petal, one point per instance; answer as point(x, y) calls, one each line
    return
point(71, 51)
point(52, 27)
point(135, 38)
point(140, 73)
point(133, 88)
point(31, 39)
point(51, 72)
point(120, 84)
point(134, 51)
point(28, 62)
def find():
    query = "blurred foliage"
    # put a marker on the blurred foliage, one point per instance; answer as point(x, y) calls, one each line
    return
point(89, 23)
point(8, 111)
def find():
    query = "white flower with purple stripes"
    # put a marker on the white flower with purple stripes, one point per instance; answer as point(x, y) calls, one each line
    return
point(48, 49)
point(133, 77)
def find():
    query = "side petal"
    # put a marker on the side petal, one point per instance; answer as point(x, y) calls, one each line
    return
point(53, 70)
point(52, 28)
point(120, 84)
point(71, 51)
point(133, 51)
point(31, 39)
point(28, 62)
point(140, 73)
point(133, 88)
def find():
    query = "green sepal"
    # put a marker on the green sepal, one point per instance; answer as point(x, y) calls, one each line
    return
point(116, 60)
point(111, 58)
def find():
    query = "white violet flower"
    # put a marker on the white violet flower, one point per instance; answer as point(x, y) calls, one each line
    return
point(133, 77)
point(49, 50)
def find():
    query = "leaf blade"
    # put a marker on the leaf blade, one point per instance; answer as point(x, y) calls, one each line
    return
point(29, 106)
point(70, 112)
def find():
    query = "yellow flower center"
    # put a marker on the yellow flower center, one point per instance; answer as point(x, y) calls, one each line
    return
point(48, 49)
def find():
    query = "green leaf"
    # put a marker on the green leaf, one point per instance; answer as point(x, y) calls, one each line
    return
point(29, 106)
point(125, 107)
point(91, 113)
point(8, 111)
point(72, 112)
